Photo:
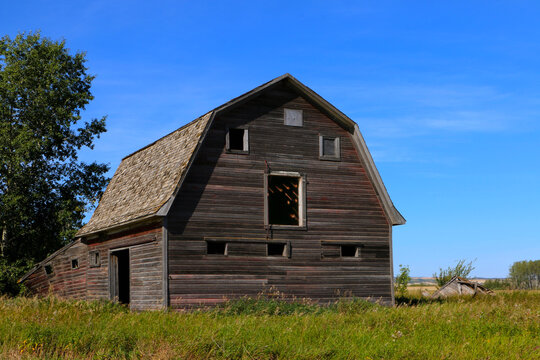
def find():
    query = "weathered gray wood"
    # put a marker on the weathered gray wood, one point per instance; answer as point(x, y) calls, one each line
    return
point(224, 197)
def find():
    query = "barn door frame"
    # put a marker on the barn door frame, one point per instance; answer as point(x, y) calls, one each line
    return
point(114, 289)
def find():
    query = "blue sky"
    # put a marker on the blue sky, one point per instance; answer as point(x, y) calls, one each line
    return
point(447, 95)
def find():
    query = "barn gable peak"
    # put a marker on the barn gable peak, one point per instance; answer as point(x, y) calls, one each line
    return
point(147, 181)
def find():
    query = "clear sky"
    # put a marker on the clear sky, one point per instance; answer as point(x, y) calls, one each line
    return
point(447, 95)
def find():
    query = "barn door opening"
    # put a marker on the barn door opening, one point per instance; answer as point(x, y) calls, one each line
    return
point(120, 276)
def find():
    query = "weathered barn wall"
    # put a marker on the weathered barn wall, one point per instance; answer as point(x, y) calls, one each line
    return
point(223, 198)
point(37, 283)
point(91, 282)
point(146, 266)
point(63, 281)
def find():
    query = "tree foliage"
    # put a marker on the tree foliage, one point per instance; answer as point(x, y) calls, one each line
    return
point(461, 269)
point(525, 274)
point(44, 188)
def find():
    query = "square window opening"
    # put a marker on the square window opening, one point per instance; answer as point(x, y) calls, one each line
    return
point(75, 263)
point(329, 148)
point(349, 251)
point(283, 200)
point(238, 140)
point(48, 269)
point(216, 248)
point(276, 249)
point(293, 117)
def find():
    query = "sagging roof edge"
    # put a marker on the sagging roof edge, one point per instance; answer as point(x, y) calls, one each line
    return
point(47, 259)
point(392, 213)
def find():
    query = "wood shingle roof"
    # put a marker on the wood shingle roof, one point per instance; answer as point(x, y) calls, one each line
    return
point(146, 179)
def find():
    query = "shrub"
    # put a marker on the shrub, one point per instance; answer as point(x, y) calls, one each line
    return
point(402, 281)
point(461, 269)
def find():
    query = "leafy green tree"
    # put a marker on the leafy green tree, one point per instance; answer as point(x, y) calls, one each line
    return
point(44, 188)
point(402, 281)
point(525, 274)
point(461, 269)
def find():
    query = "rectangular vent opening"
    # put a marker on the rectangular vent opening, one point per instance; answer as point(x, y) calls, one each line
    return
point(277, 249)
point(349, 251)
point(216, 248)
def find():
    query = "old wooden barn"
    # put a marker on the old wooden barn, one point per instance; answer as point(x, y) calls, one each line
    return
point(272, 191)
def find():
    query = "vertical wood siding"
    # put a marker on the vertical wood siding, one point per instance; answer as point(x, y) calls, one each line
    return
point(223, 198)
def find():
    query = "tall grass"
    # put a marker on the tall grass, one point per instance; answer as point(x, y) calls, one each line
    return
point(505, 326)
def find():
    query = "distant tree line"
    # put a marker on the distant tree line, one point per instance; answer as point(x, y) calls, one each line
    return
point(522, 275)
point(525, 274)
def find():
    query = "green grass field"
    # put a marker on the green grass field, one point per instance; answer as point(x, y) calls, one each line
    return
point(505, 326)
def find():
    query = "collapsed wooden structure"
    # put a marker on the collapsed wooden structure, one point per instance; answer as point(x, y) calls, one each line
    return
point(458, 286)
point(274, 189)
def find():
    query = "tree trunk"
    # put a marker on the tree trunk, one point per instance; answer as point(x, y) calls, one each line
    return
point(3, 241)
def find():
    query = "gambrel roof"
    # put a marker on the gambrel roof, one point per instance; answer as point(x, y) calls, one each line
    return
point(147, 181)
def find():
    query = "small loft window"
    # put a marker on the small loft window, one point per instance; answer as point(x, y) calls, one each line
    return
point(48, 269)
point(284, 202)
point(216, 248)
point(74, 263)
point(238, 141)
point(293, 117)
point(350, 251)
point(94, 259)
point(274, 249)
point(329, 148)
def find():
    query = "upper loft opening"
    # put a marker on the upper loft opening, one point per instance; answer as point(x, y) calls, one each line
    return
point(237, 140)
point(285, 199)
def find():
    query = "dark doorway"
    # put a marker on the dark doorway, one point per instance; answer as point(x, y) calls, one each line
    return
point(120, 276)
